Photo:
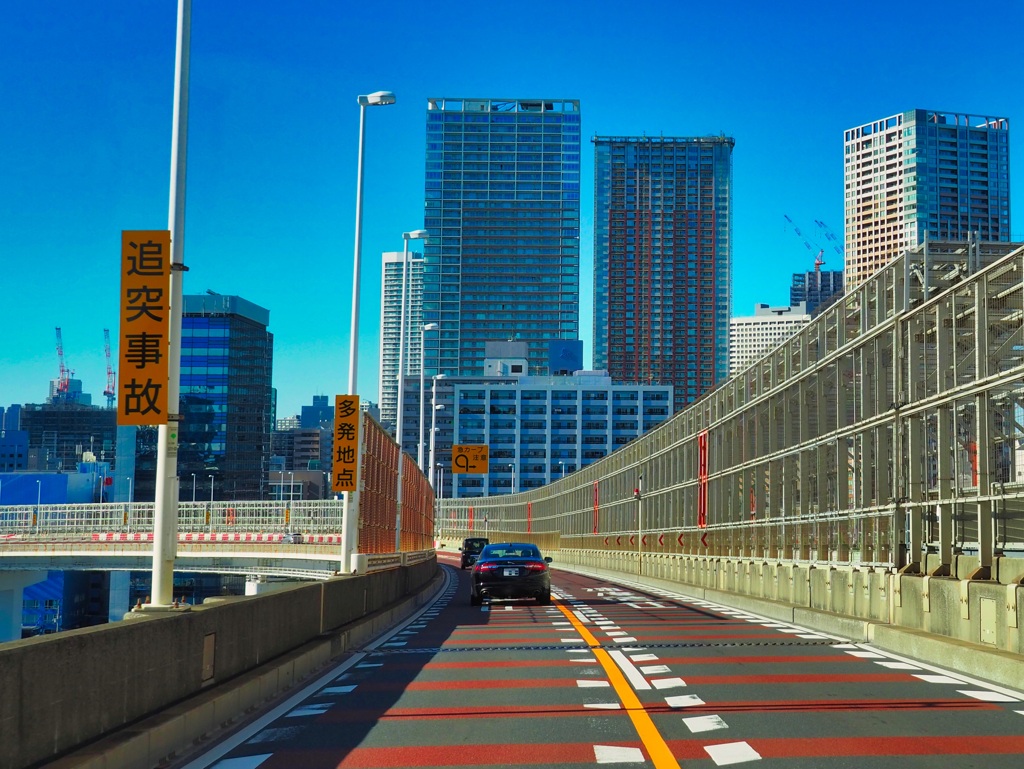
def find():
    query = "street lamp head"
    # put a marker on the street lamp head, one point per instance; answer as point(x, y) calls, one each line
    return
point(430, 327)
point(415, 235)
point(440, 376)
point(438, 407)
point(377, 99)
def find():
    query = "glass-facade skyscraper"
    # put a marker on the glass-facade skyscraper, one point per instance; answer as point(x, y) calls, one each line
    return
point(227, 358)
point(663, 260)
point(922, 172)
point(817, 289)
point(502, 209)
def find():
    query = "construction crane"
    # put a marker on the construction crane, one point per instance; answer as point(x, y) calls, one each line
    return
point(812, 243)
point(109, 391)
point(64, 375)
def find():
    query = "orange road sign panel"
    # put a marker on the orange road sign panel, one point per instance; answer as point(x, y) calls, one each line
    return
point(144, 310)
point(470, 458)
point(345, 465)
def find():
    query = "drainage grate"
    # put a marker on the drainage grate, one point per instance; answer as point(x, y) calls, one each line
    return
point(607, 647)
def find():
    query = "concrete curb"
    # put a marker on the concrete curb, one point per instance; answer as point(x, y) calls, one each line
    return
point(1000, 667)
point(169, 736)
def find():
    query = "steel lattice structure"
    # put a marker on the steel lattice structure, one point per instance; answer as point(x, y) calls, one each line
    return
point(888, 433)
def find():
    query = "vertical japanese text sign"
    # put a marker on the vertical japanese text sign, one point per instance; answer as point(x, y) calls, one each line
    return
point(346, 442)
point(145, 327)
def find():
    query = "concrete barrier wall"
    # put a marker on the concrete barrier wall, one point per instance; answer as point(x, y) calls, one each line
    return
point(64, 690)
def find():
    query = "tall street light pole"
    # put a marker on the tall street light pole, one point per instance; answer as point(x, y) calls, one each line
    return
point(350, 511)
point(211, 491)
point(434, 408)
point(399, 421)
point(512, 467)
point(193, 487)
point(402, 323)
point(423, 393)
point(165, 511)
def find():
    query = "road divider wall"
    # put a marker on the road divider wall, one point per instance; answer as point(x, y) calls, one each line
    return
point(62, 691)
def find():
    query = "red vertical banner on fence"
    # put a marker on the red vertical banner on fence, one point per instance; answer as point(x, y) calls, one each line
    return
point(529, 517)
point(469, 520)
point(702, 479)
point(596, 503)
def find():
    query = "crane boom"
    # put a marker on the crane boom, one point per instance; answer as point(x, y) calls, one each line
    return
point(109, 391)
point(62, 377)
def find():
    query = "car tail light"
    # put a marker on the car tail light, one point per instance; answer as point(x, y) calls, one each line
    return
point(536, 566)
point(485, 567)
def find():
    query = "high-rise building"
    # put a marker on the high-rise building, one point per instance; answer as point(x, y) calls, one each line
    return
point(227, 358)
point(662, 261)
point(391, 324)
point(919, 173)
point(751, 337)
point(816, 289)
point(60, 433)
point(502, 209)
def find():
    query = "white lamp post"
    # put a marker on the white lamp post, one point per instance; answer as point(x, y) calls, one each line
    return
point(403, 322)
point(423, 393)
point(433, 438)
point(280, 488)
point(561, 470)
point(512, 467)
point(211, 490)
point(435, 407)
point(193, 488)
point(350, 514)
point(291, 486)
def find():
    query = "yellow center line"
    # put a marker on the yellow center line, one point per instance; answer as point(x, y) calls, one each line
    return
point(657, 749)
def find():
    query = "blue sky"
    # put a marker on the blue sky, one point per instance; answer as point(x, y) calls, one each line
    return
point(85, 132)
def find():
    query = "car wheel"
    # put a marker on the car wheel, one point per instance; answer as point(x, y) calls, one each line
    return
point(544, 599)
point(475, 600)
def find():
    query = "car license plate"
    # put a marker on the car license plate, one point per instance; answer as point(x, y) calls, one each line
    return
point(511, 572)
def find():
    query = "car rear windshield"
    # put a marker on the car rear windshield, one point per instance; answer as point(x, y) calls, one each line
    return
point(511, 551)
point(474, 545)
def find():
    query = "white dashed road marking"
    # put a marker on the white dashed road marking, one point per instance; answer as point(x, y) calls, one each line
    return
point(704, 723)
point(612, 754)
point(668, 683)
point(684, 701)
point(988, 696)
point(732, 753)
point(935, 678)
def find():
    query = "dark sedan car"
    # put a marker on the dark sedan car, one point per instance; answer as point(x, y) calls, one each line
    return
point(511, 570)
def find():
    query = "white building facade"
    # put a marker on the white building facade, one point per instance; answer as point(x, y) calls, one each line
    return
point(753, 336)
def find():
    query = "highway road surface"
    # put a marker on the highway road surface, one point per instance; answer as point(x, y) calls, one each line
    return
point(616, 674)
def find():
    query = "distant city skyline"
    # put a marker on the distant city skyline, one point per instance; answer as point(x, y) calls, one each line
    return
point(274, 126)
